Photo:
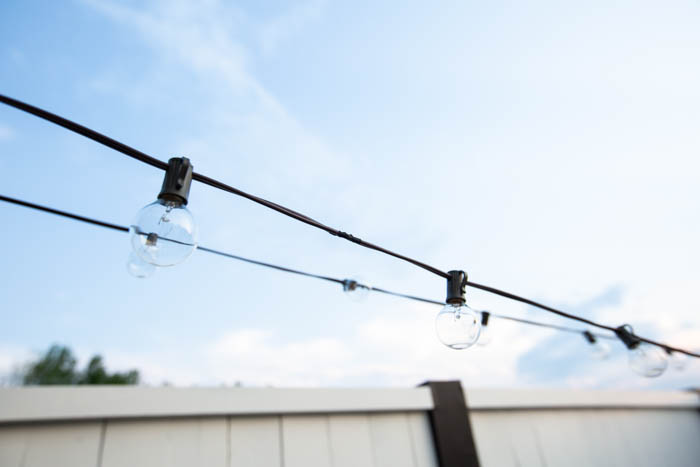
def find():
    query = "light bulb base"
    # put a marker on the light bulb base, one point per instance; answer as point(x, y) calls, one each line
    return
point(455, 287)
point(177, 181)
point(626, 335)
point(485, 315)
point(588, 335)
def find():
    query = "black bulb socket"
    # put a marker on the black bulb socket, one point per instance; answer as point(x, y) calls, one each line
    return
point(625, 334)
point(177, 181)
point(455, 287)
point(589, 337)
point(485, 315)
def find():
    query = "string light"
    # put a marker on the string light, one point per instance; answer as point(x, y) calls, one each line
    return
point(599, 350)
point(164, 232)
point(485, 335)
point(677, 360)
point(342, 282)
point(138, 267)
point(457, 325)
point(177, 239)
point(644, 359)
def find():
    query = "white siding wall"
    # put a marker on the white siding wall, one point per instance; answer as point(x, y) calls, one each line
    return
point(362, 439)
point(69, 444)
point(587, 437)
point(134, 427)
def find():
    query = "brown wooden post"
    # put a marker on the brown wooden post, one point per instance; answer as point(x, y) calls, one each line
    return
point(452, 431)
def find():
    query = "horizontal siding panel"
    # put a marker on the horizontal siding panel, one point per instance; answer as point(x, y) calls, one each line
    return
point(422, 440)
point(54, 445)
point(305, 441)
point(607, 437)
point(351, 440)
point(255, 442)
point(391, 440)
point(161, 443)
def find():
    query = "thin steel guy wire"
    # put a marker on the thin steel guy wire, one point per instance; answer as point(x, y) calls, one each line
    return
point(307, 274)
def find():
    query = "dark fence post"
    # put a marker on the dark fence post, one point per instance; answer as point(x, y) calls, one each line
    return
point(452, 431)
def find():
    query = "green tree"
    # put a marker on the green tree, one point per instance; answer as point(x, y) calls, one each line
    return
point(58, 366)
point(95, 373)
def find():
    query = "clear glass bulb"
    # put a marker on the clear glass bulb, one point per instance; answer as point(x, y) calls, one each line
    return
point(138, 267)
point(355, 290)
point(678, 361)
point(164, 233)
point(485, 335)
point(648, 360)
point(600, 350)
point(458, 326)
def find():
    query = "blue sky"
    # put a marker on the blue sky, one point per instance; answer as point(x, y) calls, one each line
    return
point(567, 134)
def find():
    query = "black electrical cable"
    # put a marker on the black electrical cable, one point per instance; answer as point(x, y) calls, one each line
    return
point(538, 305)
point(145, 158)
point(317, 276)
point(136, 154)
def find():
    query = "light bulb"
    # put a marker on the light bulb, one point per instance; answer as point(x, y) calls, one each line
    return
point(648, 360)
point(355, 290)
point(485, 335)
point(599, 350)
point(677, 360)
point(645, 359)
point(138, 267)
point(164, 233)
point(458, 326)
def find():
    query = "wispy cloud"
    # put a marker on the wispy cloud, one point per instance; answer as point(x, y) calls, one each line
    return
point(659, 310)
point(398, 349)
point(11, 360)
point(208, 42)
point(217, 44)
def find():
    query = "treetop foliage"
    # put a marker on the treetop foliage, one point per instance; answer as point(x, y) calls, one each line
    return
point(58, 366)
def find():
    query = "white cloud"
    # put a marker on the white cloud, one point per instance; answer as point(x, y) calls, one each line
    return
point(400, 348)
point(11, 359)
point(665, 310)
point(207, 42)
